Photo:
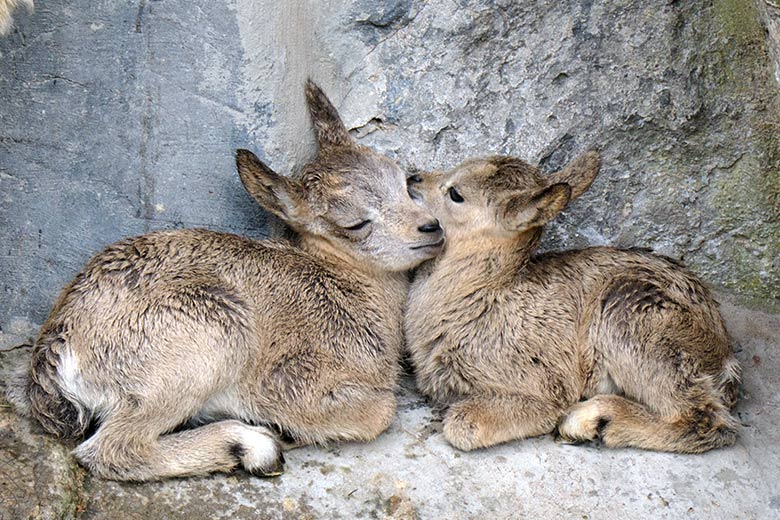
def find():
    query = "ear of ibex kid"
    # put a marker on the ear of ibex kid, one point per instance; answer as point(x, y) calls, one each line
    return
point(579, 173)
point(328, 127)
point(281, 196)
point(524, 211)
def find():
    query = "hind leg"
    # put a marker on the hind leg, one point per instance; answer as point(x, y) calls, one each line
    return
point(481, 421)
point(673, 364)
point(620, 422)
point(136, 415)
point(129, 446)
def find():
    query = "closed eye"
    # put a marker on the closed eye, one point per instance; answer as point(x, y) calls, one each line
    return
point(454, 195)
point(410, 182)
point(359, 225)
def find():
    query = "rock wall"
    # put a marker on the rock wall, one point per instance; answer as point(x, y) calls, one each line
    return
point(117, 118)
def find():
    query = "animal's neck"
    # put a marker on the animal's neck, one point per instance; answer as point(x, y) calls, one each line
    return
point(389, 288)
point(495, 258)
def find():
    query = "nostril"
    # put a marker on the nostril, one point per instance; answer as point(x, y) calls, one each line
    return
point(430, 227)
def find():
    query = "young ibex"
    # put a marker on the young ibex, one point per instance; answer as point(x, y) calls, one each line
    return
point(512, 341)
point(194, 326)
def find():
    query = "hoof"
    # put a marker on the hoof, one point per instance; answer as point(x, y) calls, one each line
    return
point(583, 423)
point(275, 470)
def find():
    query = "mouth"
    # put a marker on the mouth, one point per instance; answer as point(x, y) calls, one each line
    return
point(432, 245)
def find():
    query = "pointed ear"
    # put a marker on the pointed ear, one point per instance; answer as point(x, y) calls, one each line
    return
point(281, 196)
point(328, 128)
point(579, 173)
point(522, 212)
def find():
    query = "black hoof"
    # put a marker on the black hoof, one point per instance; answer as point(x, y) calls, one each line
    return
point(273, 471)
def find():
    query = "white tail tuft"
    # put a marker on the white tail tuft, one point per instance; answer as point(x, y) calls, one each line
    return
point(7, 8)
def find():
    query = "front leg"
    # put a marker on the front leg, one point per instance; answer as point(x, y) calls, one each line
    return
point(481, 421)
point(349, 413)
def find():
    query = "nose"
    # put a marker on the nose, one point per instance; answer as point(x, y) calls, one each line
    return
point(430, 227)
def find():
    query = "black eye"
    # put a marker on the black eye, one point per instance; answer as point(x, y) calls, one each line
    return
point(359, 225)
point(414, 179)
point(454, 195)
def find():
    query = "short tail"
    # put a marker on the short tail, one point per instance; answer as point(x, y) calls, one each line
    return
point(15, 377)
point(58, 414)
point(729, 381)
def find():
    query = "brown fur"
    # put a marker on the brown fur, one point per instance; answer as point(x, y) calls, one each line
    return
point(512, 341)
point(209, 328)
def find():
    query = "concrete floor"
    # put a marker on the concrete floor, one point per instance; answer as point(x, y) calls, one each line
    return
point(410, 471)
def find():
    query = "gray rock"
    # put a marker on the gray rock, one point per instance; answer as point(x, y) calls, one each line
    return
point(680, 99)
point(118, 118)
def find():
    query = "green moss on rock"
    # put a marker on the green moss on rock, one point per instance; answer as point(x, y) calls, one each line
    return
point(740, 20)
point(744, 198)
point(744, 211)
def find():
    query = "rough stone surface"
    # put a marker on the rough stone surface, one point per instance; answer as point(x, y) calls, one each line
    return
point(680, 98)
point(410, 472)
point(120, 117)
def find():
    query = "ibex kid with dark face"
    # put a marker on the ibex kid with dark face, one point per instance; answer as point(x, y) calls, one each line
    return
point(233, 334)
point(512, 341)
